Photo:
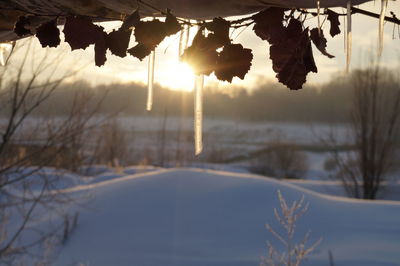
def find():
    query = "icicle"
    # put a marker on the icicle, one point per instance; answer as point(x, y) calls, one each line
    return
point(381, 26)
point(150, 81)
point(2, 57)
point(198, 114)
point(4, 48)
point(349, 37)
point(183, 40)
point(187, 35)
point(318, 17)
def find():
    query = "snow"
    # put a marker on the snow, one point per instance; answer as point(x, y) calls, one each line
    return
point(203, 217)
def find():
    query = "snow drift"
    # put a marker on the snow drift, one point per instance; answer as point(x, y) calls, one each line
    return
point(189, 217)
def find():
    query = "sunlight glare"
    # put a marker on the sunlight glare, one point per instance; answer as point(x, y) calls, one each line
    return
point(177, 76)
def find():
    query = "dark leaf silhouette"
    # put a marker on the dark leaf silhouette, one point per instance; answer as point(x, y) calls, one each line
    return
point(201, 55)
point(48, 34)
point(148, 34)
point(292, 58)
point(290, 50)
point(333, 18)
point(319, 41)
point(131, 21)
point(220, 28)
point(268, 25)
point(20, 27)
point(172, 25)
point(233, 61)
point(139, 51)
point(80, 32)
point(100, 49)
point(118, 41)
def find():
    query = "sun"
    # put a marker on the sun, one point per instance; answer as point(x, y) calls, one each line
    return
point(176, 76)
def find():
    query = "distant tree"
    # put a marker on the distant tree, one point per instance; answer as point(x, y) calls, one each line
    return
point(374, 131)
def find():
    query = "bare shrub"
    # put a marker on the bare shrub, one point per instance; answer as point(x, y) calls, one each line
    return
point(281, 160)
point(29, 189)
point(112, 144)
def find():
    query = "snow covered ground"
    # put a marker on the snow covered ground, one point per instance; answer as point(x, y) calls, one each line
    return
point(193, 217)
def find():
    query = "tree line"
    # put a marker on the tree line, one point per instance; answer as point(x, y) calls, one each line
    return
point(329, 102)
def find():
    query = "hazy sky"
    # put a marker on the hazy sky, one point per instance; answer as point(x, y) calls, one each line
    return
point(365, 38)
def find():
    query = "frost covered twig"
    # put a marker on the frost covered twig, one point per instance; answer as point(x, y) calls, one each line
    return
point(294, 253)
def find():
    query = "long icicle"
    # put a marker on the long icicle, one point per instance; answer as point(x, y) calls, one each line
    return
point(183, 40)
point(349, 37)
point(150, 81)
point(198, 114)
point(384, 4)
point(3, 50)
point(2, 57)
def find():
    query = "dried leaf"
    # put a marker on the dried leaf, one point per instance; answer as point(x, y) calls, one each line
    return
point(118, 42)
point(220, 28)
point(100, 49)
point(148, 35)
point(48, 34)
point(268, 25)
point(131, 21)
point(292, 58)
point(233, 61)
point(172, 25)
point(20, 27)
point(80, 32)
point(333, 18)
point(139, 51)
point(317, 37)
point(201, 55)
point(282, 52)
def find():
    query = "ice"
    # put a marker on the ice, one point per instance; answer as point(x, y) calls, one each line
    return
point(150, 81)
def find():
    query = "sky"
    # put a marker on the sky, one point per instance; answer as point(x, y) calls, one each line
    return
point(170, 74)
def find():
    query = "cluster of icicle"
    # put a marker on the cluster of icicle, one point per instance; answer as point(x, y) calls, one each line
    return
point(348, 35)
point(198, 91)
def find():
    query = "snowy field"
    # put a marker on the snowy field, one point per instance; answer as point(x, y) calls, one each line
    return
point(194, 212)
point(205, 217)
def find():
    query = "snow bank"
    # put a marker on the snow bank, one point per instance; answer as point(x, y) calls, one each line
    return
point(192, 217)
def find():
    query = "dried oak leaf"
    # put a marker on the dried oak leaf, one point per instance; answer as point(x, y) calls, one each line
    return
point(233, 61)
point(118, 41)
point(171, 24)
point(319, 41)
point(80, 32)
point(333, 18)
point(20, 26)
point(131, 21)
point(292, 58)
point(201, 55)
point(220, 28)
point(48, 34)
point(268, 25)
